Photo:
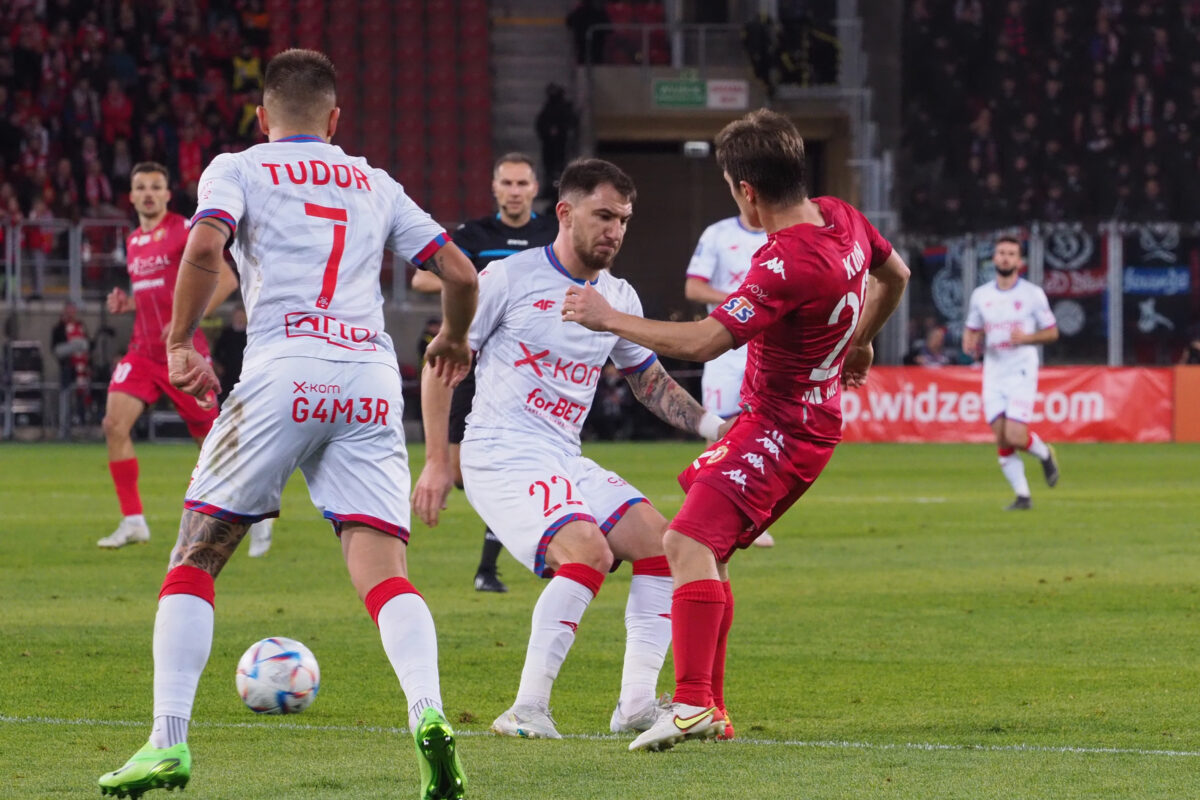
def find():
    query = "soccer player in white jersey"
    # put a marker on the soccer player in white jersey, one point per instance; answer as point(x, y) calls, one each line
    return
point(320, 390)
point(717, 268)
point(1007, 319)
point(563, 516)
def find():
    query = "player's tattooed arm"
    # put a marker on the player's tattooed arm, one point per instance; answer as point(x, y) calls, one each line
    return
point(206, 542)
point(669, 401)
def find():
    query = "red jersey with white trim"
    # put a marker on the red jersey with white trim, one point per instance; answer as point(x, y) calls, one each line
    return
point(152, 258)
point(798, 307)
point(536, 374)
point(310, 227)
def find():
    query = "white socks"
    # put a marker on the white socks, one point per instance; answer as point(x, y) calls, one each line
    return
point(1014, 470)
point(136, 519)
point(555, 618)
point(410, 641)
point(647, 637)
point(183, 632)
point(1037, 448)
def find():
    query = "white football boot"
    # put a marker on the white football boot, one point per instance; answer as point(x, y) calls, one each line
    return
point(679, 721)
point(765, 539)
point(260, 537)
point(128, 532)
point(638, 719)
point(526, 722)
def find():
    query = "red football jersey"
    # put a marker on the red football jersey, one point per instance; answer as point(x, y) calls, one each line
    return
point(798, 307)
point(152, 258)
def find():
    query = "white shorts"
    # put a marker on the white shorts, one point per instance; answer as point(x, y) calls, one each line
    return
point(338, 421)
point(721, 383)
point(526, 494)
point(1010, 395)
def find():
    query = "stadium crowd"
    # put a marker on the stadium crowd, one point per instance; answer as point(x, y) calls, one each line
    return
point(1057, 111)
point(89, 89)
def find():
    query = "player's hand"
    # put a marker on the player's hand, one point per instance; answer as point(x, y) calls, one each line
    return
point(118, 301)
point(190, 372)
point(449, 358)
point(586, 306)
point(430, 493)
point(857, 364)
point(1018, 338)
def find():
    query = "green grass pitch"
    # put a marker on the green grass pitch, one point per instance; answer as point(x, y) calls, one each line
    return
point(905, 639)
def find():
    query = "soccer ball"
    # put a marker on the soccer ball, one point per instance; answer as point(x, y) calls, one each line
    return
point(278, 676)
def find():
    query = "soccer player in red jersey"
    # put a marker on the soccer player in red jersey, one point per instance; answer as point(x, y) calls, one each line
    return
point(152, 254)
point(815, 297)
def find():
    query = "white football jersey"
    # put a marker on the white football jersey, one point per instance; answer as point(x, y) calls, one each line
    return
point(998, 313)
point(310, 227)
point(537, 375)
point(722, 256)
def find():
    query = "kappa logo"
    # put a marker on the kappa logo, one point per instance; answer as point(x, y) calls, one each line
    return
point(739, 308)
point(776, 266)
point(736, 476)
point(543, 305)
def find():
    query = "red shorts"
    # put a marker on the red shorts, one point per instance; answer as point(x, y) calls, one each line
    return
point(146, 379)
point(744, 482)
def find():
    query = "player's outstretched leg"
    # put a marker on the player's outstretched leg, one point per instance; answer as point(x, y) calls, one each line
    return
point(1014, 472)
point(260, 537)
point(1044, 453)
point(647, 637)
point(487, 575)
point(150, 768)
point(442, 776)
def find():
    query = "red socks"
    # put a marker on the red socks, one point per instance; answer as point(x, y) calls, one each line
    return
point(125, 478)
point(718, 666)
point(189, 580)
point(384, 591)
point(697, 610)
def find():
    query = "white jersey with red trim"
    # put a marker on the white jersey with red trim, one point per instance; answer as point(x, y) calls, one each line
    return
point(999, 313)
point(537, 375)
point(310, 227)
point(722, 256)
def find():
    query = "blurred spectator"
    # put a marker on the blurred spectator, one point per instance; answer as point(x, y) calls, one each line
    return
point(586, 14)
point(932, 351)
point(71, 346)
point(555, 124)
point(1191, 351)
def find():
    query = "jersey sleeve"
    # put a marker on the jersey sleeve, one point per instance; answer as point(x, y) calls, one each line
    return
point(221, 193)
point(493, 302)
point(627, 356)
point(766, 295)
point(704, 260)
point(974, 320)
point(414, 235)
point(881, 248)
point(1042, 314)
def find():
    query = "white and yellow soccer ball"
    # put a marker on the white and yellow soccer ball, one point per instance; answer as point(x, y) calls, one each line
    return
point(278, 676)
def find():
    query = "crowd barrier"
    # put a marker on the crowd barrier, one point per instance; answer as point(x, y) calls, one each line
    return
point(1074, 404)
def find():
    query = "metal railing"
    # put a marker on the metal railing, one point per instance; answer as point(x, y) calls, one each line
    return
point(63, 259)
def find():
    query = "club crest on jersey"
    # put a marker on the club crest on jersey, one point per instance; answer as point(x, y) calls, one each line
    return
point(776, 266)
point(543, 305)
point(739, 308)
point(710, 457)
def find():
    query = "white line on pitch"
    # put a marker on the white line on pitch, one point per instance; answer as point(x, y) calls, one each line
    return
point(828, 744)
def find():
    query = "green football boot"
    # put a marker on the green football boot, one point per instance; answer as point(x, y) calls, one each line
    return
point(150, 768)
point(442, 776)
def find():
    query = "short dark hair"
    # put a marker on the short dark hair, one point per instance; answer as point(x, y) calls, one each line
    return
point(515, 157)
point(302, 82)
point(583, 175)
point(149, 166)
point(765, 150)
point(1008, 239)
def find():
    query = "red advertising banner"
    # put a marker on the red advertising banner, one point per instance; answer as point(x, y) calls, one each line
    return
point(1074, 404)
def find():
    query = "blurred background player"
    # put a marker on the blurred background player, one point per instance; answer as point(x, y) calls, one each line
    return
point(311, 251)
point(1006, 320)
point(72, 348)
point(560, 514)
point(513, 228)
point(806, 306)
point(152, 251)
point(718, 267)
